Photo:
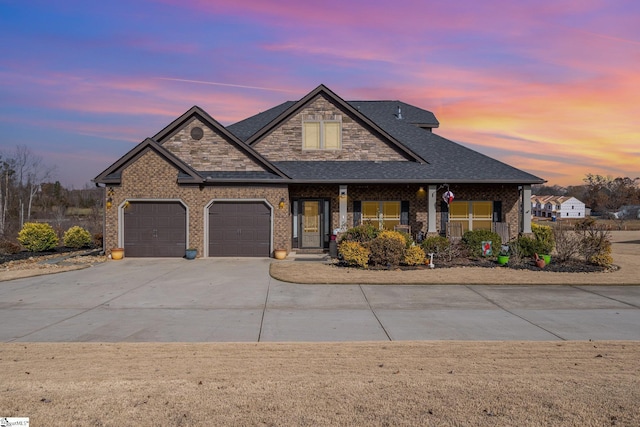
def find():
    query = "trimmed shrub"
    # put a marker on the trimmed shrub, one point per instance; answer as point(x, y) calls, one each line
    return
point(77, 237)
point(37, 237)
point(354, 254)
point(473, 241)
point(439, 246)
point(414, 255)
point(544, 236)
point(362, 233)
point(387, 249)
point(528, 246)
point(408, 240)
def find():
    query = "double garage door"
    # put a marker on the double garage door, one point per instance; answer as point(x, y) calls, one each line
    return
point(159, 229)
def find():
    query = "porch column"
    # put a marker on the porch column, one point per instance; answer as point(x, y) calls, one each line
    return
point(526, 209)
point(342, 197)
point(431, 210)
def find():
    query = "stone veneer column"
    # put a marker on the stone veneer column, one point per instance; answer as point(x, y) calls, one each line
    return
point(431, 210)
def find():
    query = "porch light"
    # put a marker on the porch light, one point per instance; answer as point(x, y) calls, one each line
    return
point(281, 204)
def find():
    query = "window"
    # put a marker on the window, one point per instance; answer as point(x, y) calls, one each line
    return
point(322, 132)
point(472, 215)
point(385, 214)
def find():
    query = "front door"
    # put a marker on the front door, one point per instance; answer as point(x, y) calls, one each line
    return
point(311, 224)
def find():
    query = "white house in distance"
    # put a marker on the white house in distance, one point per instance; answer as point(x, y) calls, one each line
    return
point(560, 207)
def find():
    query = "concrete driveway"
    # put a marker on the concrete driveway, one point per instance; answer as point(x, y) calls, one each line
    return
point(167, 300)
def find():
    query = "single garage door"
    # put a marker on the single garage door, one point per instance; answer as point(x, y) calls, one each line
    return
point(241, 229)
point(155, 229)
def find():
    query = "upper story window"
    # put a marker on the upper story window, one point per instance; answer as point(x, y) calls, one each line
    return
point(322, 132)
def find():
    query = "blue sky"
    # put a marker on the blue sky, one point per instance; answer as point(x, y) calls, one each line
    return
point(551, 87)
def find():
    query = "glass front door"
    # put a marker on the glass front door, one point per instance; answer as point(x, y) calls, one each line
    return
point(311, 225)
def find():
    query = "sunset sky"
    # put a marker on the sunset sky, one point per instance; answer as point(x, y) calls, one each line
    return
point(550, 87)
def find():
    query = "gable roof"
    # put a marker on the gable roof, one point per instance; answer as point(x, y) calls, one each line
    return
point(113, 174)
point(322, 90)
point(205, 118)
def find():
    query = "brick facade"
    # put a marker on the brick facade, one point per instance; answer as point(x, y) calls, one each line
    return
point(358, 143)
point(151, 178)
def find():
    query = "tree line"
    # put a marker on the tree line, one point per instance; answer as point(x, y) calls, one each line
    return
point(603, 194)
point(28, 193)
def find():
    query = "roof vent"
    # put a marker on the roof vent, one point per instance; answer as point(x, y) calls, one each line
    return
point(399, 115)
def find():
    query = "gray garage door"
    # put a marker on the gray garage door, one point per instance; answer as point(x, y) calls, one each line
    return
point(241, 229)
point(155, 229)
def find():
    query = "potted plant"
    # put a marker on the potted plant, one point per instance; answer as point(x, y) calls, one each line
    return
point(117, 253)
point(280, 253)
point(503, 255)
point(190, 253)
point(539, 261)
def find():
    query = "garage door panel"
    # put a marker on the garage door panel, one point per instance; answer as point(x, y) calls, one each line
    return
point(239, 229)
point(155, 229)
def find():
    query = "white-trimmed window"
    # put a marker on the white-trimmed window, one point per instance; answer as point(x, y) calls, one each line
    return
point(385, 214)
point(322, 132)
point(476, 215)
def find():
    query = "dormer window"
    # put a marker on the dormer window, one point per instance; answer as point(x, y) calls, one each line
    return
point(322, 132)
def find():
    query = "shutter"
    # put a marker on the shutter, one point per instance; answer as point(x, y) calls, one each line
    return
point(404, 213)
point(497, 211)
point(444, 217)
point(357, 213)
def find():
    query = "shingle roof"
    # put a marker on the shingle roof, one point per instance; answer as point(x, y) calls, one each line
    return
point(246, 128)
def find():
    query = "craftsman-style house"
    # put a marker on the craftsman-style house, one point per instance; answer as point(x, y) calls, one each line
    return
point(293, 175)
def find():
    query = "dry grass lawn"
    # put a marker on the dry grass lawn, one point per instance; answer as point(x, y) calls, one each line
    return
point(398, 383)
point(626, 255)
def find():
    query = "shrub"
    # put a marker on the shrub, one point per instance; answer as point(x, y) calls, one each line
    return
point(362, 233)
point(528, 246)
point(387, 249)
point(77, 237)
point(567, 243)
point(353, 253)
point(473, 241)
point(414, 255)
point(544, 235)
point(595, 244)
point(408, 240)
point(9, 248)
point(439, 246)
point(37, 237)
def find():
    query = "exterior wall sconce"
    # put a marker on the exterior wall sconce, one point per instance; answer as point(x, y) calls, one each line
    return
point(109, 198)
point(281, 204)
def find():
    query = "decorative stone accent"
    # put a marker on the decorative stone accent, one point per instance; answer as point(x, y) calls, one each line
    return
point(358, 142)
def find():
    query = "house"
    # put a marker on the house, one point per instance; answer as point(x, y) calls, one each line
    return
point(293, 175)
point(561, 207)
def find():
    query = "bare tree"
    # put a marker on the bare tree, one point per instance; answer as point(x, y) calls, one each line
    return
point(30, 173)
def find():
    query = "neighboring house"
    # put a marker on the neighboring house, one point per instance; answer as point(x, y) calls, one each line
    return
point(293, 175)
point(560, 207)
point(627, 212)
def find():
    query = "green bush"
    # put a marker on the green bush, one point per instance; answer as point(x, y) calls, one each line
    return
point(362, 233)
point(544, 235)
point(473, 241)
point(414, 255)
point(387, 249)
point(528, 246)
point(408, 240)
point(439, 246)
point(77, 237)
point(37, 237)
point(353, 253)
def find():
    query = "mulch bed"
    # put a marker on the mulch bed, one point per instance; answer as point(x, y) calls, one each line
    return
point(22, 255)
point(564, 267)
